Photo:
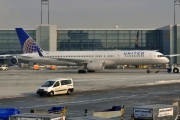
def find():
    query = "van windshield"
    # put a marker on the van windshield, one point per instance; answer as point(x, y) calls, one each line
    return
point(48, 84)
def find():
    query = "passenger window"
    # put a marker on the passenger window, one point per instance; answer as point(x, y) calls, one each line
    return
point(68, 81)
point(65, 82)
point(56, 84)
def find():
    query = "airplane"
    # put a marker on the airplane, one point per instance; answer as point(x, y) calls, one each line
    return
point(90, 61)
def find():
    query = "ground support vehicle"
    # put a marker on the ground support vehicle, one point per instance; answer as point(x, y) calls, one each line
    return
point(115, 113)
point(3, 67)
point(56, 86)
point(36, 116)
point(176, 69)
point(156, 112)
point(54, 110)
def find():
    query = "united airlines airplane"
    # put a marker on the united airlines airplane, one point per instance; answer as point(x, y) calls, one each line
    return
point(90, 61)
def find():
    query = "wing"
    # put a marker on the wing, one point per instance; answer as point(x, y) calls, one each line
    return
point(72, 60)
point(174, 55)
point(6, 56)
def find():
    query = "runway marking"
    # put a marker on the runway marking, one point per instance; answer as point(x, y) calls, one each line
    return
point(164, 87)
point(139, 89)
point(160, 92)
point(134, 95)
point(100, 99)
point(40, 99)
point(145, 95)
point(152, 88)
point(177, 90)
point(75, 102)
point(111, 92)
point(78, 95)
point(90, 100)
point(96, 94)
point(19, 101)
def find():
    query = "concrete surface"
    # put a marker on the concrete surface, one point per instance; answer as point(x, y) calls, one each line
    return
point(24, 81)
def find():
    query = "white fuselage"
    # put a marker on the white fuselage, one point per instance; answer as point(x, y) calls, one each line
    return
point(75, 58)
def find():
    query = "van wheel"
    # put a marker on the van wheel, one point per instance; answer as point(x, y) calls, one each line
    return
point(51, 93)
point(68, 92)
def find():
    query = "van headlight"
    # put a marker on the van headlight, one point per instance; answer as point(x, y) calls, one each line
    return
point(45, 89)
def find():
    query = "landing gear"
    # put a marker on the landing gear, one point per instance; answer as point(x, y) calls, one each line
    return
point(85, 71)
point(91, 71)
point(82, 71)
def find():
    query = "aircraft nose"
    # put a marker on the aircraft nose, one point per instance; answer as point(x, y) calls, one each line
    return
point(167, 60)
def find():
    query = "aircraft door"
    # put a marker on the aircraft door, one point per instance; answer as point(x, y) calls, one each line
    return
point(119, 56)
point(150, 56)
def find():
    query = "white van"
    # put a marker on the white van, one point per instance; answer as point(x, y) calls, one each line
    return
point(56, 86)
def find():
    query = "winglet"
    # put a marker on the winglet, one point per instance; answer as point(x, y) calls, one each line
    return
point(27, 43)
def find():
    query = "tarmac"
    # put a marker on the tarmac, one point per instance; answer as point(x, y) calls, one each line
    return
point(25, 81)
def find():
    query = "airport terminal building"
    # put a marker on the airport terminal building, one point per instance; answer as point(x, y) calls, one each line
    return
point(49, 37)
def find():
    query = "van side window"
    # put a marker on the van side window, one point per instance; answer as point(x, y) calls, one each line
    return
point(68, 81)
point(62, 82)
point(65, 82)
point(56, 84)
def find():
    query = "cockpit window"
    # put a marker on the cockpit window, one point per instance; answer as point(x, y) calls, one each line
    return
point(160, 56)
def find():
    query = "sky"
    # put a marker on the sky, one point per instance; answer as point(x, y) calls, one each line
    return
point(90, 14)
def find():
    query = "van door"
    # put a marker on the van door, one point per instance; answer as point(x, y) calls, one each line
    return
point(56, 88)
point(64, 87)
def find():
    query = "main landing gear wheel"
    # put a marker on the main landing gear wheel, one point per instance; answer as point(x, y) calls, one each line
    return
point(91, 71)
point(82, 71)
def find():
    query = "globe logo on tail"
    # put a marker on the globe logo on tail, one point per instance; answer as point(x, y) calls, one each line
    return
point(30, 46)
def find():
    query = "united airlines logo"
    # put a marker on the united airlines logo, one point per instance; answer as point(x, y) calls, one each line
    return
point(134, 54)
point(30, 46)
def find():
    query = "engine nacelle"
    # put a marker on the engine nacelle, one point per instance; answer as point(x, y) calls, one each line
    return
point(113, 67)
point(95, 65)
point(14, 60)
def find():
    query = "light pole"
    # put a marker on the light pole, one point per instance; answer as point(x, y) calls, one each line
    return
point(174, 40)
point(44, 2)
point(176, 2)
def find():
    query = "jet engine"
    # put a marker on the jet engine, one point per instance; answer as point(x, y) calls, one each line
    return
point(14, 60)
point(95, 65)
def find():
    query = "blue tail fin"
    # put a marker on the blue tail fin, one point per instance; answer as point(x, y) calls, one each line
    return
point(137, 38)
point(39, 52)
point(27, 43)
